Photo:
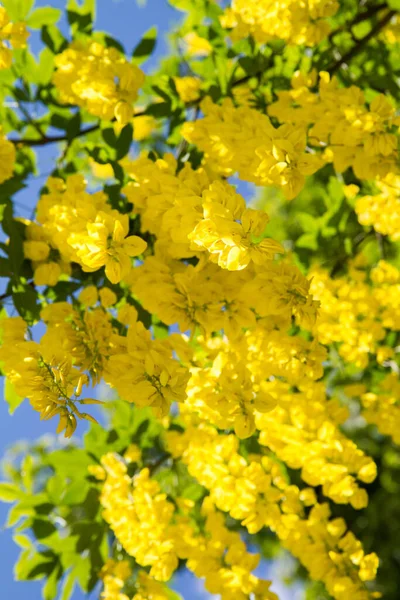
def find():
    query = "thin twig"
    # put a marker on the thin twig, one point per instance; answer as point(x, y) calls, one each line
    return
point(53, 139)
point(62, 138)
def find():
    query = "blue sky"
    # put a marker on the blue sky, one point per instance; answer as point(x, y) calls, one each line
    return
point(127, 22)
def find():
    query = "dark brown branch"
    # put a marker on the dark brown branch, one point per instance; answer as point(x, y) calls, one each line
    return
point(362, 42)
point(61, 138)
point(53, 139)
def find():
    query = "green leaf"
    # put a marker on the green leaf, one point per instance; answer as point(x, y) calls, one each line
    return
point(159, 109)
point(49, 590)
point(9, 492)
point(25, 299)
point(172, 595)
point(307, 222)
point(9, 188)
point(5, 270)
point(308, 240)
point(74, 126)
point(45, 67)
point(160, 330)
point(119, 144)
point(68, 586)
point(124, 141)
point(44, 16)
point(69, 462)
point(81, 17)
point(27, 507)
point(109, 137)
point(145, 47)
point(34, 566)
point(55, 488)
point(42, 528)
point(83, 6)
point(10, 396)
point(53, 39)
point(18, 9)
point(22, 540)
point(395, 4)
point(184, 5)
point(27, 472)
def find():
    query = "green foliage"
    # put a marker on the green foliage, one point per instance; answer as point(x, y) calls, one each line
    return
point(42, 17)
point(11, 396)
point(63, 516)
point(145, 47)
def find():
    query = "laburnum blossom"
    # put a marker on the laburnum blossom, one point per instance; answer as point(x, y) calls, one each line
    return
point(107, 244)
point(295, 22)
point(99, 79)
point(241, 350)
point(229, 230)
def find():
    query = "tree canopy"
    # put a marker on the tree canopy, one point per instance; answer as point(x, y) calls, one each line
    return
point(249, 339)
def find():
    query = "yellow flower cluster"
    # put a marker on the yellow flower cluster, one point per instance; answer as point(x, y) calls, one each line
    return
point(247, 355)
point(229, 384)
point(83, 345)
point(340, 122)
point(150, 589)
point(191, 213)
point(157, 534)
point(98, 79)
point(144, 371)
point(356, 313)
point(382, 210)
point(114, 574)
point(244, 141)
point(140, 517)
point(302, 23)
point(75, 226)
point(303, 431)
point(86, 336)
point(13, 34)
point(45, 375)
point(332, 125)
point(256, 493)
point(212, 299)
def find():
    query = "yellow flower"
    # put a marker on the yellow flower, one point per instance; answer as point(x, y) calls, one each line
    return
point(99, 79)
point(36, 250)
point(88, 296)
point(106, 245)
point(47, 274)
point(188, 88)
point(107, 297)
point(196, 45)
point(13, 33)
point(143, 125)
point(101, 171)
point(232, 244)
